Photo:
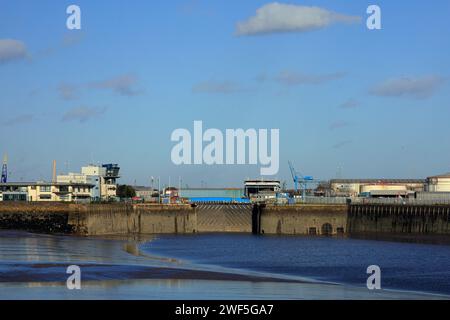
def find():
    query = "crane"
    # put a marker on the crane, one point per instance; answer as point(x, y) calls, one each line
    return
point(300, 180)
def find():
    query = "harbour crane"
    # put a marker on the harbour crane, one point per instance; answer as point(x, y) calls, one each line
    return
point(300, 180)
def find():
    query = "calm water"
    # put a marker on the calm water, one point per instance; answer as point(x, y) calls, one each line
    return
point(218, 266)
point(404, 266)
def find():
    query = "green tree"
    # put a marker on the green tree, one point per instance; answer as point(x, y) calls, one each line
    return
point(126, 191)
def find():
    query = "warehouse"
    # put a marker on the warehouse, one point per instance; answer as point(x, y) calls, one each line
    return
point(213, 194)
point(378, 187)
point(440, 183)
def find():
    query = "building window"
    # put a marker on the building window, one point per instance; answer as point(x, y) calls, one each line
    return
point(45, 188)
point(45, 197)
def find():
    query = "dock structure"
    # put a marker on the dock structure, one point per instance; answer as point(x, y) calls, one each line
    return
point(304, 219)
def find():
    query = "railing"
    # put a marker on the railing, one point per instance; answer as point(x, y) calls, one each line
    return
point(397, 201)
point(321, 200)
point(386, 201)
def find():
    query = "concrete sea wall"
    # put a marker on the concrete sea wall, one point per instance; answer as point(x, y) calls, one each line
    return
point(105, 219)
point(97, 219)
point(399, 219)
point(39, 217)
point(303, 220)
point(128, 219)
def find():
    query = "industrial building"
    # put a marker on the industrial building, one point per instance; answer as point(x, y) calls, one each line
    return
point(94, 183)
point(440, 183)
point(146, 194)
point(261, 190)
point(103, 178)
point(213, 194)
point(377, 187)
point(45, 191)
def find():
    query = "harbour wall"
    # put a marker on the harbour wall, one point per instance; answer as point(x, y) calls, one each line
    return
point(301, 220)
point(97, 219)
point(105, 219)
point(381, 219)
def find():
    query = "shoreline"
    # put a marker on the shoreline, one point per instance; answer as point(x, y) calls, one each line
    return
point(131, 268)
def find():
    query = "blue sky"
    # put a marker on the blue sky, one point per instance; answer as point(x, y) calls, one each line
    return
point(346, 99)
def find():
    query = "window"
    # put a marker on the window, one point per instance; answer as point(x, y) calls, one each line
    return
point(45, 197)
point(45, 188)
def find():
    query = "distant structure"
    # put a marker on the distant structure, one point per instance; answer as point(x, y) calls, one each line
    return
point(440, 183)
point(4, 177)
point(45, 192)
point(102, 177)
point(381, 188)
point(300, 180)
point(147, 194)
point(54, 171)
point(261, 190)
point(94, 183)
point(209, 195)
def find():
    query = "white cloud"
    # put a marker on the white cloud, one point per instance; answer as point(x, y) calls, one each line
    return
point(278, 17)
point(25, 118)
point(83, 114)
point(291, 78)
point(123, 85)
point(225, 87)
point(11, 50)
point(412, 87)
point(350, 104)
point(342, 144)
point(67, 91)
point(339, 124)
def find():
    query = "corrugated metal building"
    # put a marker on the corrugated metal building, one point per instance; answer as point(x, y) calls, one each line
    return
point(213, 194)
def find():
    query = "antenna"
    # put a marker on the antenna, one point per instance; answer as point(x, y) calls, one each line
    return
point(54, 171)
point(4, 177)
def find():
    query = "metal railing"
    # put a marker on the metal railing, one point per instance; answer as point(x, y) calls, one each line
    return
point(355, 200)
point(321, 200)
point(397, 201)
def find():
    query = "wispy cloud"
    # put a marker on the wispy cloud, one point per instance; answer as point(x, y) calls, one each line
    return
point(68, 40)
point(339, 124)
point(292, 78)
point(12, 50)
point(24, 118)
point(72, 38)
point(123, 85)
point(67, 91)
point(83, 114)
point(278, 17)
point(410, 87)
point(225, 87)
point(350, 104)
point(342, 144)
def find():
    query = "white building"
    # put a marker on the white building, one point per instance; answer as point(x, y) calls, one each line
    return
point(378, 187)
point(264, 188)
point(45, 191)
point(103, 178)
point(440, 183)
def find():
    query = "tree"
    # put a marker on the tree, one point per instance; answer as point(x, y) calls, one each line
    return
point(126, 191)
